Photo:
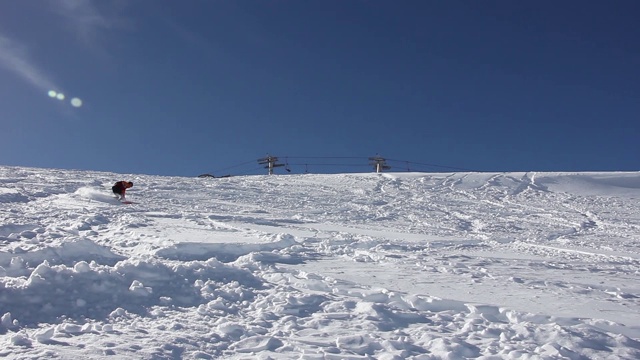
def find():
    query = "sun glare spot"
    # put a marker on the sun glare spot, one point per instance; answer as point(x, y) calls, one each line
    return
point(75, 102)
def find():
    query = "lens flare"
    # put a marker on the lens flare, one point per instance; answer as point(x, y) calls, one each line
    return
point(76, 102)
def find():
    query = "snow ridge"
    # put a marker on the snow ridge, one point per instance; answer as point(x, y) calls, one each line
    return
point(347, 266)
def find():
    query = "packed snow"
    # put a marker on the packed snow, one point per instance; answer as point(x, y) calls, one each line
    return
point(339, 266)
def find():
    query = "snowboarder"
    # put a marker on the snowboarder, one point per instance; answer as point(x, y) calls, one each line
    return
point(120, 188)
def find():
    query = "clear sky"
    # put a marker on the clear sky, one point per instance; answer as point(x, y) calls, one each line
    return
point(192, 87)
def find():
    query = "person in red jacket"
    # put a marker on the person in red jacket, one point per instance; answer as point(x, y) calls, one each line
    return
point(120, 188)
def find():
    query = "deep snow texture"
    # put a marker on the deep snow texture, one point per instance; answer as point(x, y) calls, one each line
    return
point(348, 266)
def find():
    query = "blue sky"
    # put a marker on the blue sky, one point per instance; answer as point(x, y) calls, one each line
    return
point(191, 87)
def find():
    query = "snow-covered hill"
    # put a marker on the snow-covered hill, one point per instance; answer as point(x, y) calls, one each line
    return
point(349, 266)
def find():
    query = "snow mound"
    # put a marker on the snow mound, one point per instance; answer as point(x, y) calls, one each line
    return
point(346, 266)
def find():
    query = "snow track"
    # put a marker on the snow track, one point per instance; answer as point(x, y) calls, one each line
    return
point(352, 266)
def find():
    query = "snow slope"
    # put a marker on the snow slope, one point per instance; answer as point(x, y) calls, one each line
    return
point(347, 266)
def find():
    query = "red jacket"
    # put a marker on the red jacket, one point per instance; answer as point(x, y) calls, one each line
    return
point(121, 187)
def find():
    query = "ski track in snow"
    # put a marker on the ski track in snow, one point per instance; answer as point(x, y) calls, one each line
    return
point(350, 266)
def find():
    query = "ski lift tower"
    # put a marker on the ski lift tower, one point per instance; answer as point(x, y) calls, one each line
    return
point(271, 163)
point(379, 163)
